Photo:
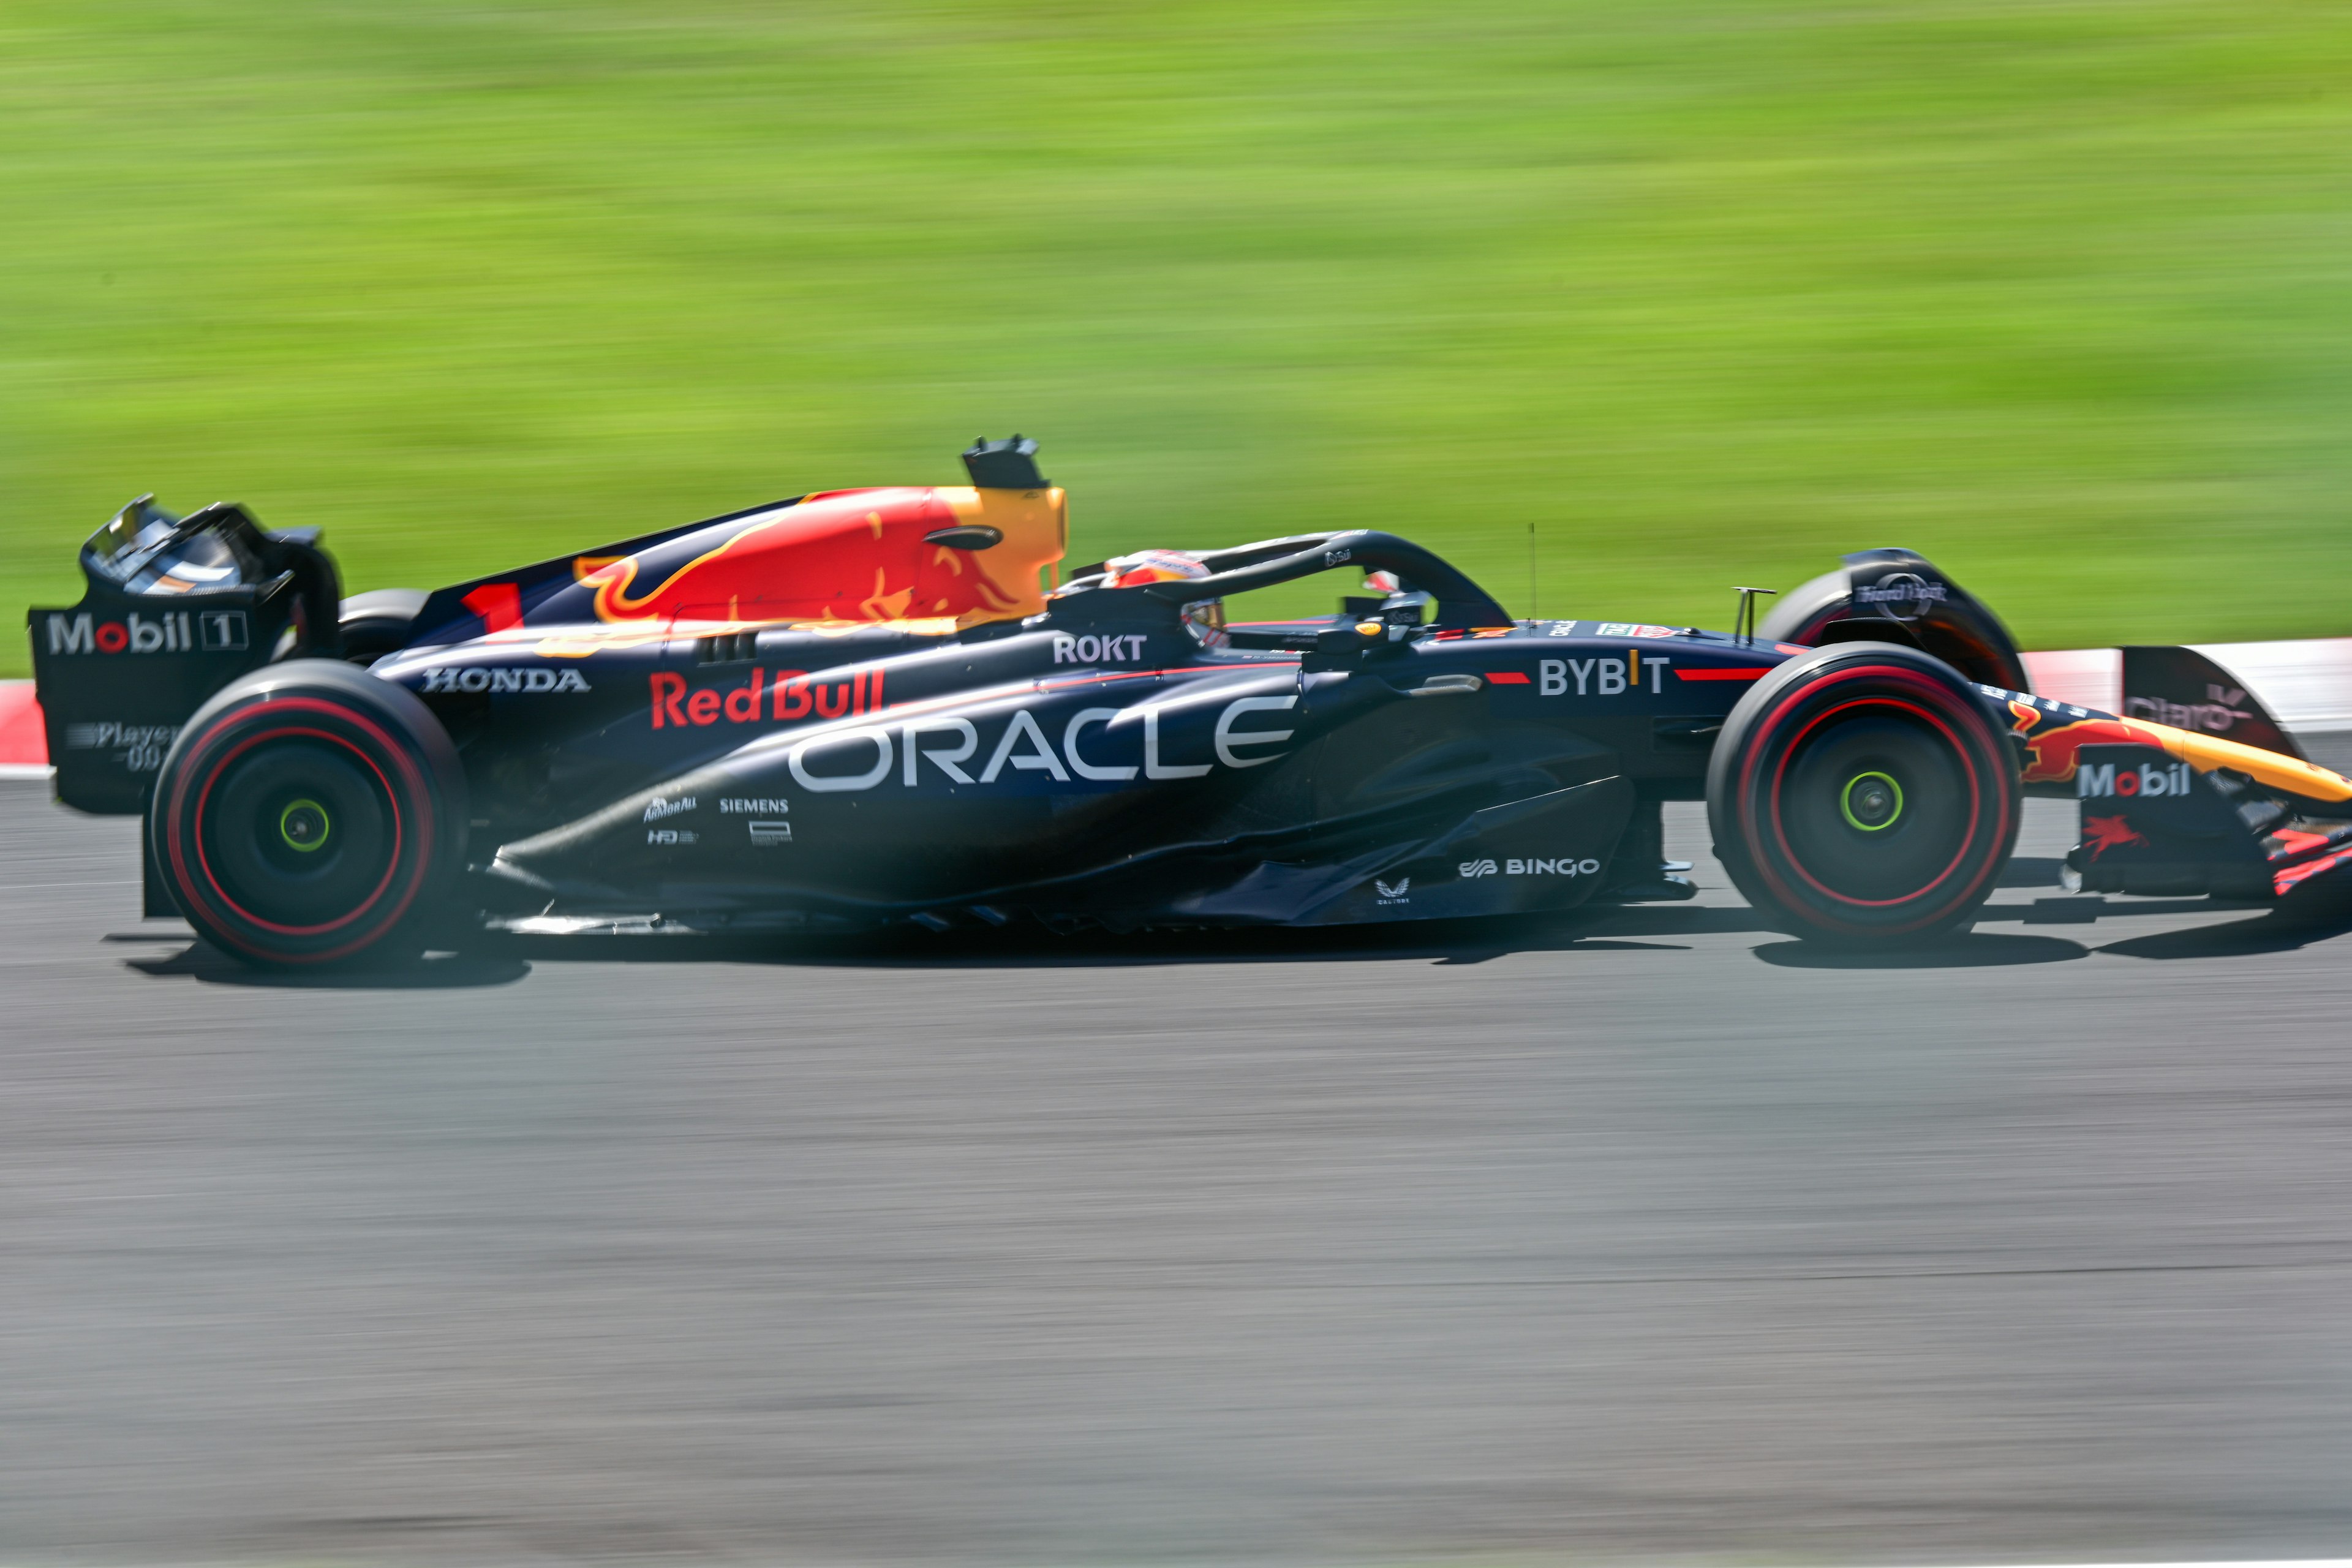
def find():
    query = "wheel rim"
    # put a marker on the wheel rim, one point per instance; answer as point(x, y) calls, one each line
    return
point(1875, 806)
point(1872, 801)
point(299, 833)
point(305, 826)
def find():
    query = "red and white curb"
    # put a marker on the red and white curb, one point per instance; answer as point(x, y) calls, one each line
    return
point(23, 749)
point(2308, 685)
point(2249, 1563)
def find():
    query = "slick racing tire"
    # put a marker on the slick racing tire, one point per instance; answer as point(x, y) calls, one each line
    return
point(308, 813)
point(379, 622)
point(1863, 794)
point(1959, 631)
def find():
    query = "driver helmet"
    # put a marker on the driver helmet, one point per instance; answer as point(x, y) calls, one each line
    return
point(1151, 566)
point(1207, 618)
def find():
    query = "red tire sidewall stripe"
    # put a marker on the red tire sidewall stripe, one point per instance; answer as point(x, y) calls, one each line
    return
point(175, 846)
point(1748, 797)
point(212, 777)
point(1779, 829)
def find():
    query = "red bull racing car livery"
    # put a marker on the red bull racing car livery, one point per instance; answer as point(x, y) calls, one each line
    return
point(866, 706)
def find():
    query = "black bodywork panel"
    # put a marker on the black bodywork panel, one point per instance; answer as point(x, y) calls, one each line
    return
point(1112, 762)
point(1123, 758)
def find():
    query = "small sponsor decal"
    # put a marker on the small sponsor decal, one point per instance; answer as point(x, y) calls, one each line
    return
point(2218, 714)
point(223, 630)
point(1630, 629)
point(1397, 893)
point(1600, 677)
point(1903, 588)
point(669, 836)
point(483, 678)
point(173, 631)
point(2106, 780)
point(662, 808)
point(762, 805)
point(769, 833)
point(1565, 866)
point(1092, 649)
point(2105, 833)
point(141, 745)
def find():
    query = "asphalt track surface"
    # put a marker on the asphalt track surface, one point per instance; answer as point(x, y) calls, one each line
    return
point(1653, 1235)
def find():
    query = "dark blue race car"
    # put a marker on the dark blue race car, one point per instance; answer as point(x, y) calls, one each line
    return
point(864, 707)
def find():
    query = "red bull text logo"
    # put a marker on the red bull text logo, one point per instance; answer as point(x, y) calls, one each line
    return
point(793, 694)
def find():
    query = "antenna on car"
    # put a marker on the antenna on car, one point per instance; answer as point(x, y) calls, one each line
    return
point(1534, 603)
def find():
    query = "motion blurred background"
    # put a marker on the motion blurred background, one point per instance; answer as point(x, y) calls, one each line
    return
point(1709, 291)
point(1657, 1238)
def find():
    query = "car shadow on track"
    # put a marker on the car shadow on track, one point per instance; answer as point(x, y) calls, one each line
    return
point(1445, 943)
point(435, 972)
point(1965, 950)
point(2280, 930)
point(1660, 928)
point(496, 960)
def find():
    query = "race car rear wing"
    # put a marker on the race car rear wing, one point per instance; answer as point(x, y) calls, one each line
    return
point(174, 609)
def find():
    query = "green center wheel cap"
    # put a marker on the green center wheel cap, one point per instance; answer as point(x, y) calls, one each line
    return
point(1871, 801)
point(303, 824)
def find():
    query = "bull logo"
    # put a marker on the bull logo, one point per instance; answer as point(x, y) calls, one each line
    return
point(2052, 758)
point(851, 557)
point(2101, 834)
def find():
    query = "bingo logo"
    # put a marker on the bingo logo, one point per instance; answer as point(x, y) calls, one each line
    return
point(1565, 866)
point(2110, 781)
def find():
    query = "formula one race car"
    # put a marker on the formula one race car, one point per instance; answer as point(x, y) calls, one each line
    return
point(874, 706)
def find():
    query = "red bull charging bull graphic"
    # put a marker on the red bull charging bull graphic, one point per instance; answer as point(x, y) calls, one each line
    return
point(955, 556)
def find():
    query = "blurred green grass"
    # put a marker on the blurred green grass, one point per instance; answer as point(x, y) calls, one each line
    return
point(1708, 290)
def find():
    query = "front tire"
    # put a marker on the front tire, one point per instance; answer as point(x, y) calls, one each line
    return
point(308, 813)
point(1864, 793)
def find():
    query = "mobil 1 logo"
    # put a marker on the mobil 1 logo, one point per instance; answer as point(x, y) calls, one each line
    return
point(73, 634)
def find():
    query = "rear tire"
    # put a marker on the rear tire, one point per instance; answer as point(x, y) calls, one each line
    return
point(308, 813)
point(379, 622)
point(1864, 793)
